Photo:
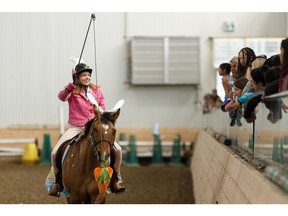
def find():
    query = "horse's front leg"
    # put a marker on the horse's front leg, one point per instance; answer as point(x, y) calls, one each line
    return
point(73, 200)
point(99, 199)
point(93, 191)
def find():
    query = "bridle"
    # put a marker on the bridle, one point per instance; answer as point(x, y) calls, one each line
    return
point(94, 144)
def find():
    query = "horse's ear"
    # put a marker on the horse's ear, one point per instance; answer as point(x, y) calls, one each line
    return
point(116, 114)
point(96, 111)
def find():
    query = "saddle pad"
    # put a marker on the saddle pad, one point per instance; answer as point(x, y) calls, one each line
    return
point(65, 154)
point(50, 180)
point(50, 183)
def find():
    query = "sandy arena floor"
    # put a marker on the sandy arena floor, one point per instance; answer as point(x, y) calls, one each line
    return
point(145, 185)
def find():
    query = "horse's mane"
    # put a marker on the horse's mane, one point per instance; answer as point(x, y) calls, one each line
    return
point(105, 118)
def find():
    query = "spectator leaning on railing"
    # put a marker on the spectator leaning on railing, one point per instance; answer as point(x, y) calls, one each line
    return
point(283, 81)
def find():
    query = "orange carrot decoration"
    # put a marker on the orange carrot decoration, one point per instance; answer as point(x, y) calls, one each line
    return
point(103, 176)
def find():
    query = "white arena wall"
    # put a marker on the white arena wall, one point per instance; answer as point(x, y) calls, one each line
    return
point(35, 64)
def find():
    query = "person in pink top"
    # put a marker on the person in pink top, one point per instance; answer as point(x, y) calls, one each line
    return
point(80, 112)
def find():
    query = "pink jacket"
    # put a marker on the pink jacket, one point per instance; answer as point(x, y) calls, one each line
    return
point(80, 108)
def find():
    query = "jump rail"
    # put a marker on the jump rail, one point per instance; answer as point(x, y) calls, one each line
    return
point(146, 143)
point(16, 141)
point(145, 148)
point(10, 151)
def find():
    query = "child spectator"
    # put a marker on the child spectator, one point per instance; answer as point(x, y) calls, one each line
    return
point(258, 62)
point(274, 106)
point(236, 115)
point(245, 58)
point(272, 84)
point(227, 81)
point(211, 101)
point(208, 103)
point(217, 102)
point(274, 60)
point(258, 83)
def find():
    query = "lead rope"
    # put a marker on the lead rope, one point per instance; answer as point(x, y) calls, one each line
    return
point(95, 57)
point(93, 17)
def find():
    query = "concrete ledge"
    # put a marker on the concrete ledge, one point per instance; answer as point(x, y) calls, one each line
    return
point(221, 176)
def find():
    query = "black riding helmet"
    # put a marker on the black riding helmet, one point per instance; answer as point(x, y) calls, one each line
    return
point(82, 67)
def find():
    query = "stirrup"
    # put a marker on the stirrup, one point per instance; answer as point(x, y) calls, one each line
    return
point(120, 180)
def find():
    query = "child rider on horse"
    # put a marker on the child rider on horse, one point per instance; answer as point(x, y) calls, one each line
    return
point(80, 112)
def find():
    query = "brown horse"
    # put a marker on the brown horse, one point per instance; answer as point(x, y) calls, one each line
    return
point(85, 155)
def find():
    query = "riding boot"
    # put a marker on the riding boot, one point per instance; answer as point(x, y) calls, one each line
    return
point(58, 187)
point(115, 183)
point(55, 191)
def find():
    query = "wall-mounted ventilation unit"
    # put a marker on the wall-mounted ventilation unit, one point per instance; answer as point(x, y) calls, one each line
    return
point(164, 61)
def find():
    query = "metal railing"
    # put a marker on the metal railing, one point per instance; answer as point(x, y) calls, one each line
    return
point(264, 141)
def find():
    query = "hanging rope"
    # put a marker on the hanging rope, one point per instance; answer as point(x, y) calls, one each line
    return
point(95, 58)
point(95, 61)
point(92, 18)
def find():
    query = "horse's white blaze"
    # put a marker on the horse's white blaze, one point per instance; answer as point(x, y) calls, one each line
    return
point(104, 155)
point(105, 127)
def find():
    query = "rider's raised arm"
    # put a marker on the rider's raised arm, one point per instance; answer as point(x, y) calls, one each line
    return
point(66, 92)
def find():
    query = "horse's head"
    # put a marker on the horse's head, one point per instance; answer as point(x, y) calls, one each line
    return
point(102, 133)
